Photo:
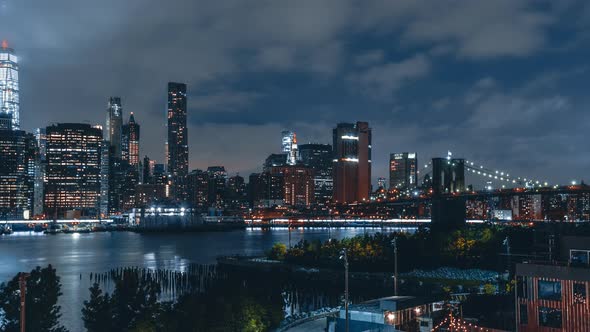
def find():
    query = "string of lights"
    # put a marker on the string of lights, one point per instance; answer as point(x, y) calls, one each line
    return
point(490, 173)
point(453, 323)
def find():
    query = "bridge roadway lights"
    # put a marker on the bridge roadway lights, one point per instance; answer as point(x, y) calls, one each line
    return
point(59, 221)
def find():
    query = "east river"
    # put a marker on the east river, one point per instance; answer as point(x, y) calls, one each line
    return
point(76, 255)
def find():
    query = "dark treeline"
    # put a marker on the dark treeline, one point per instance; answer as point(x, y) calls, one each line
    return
point(209, 298)
point(481, 246)
point(202, 298)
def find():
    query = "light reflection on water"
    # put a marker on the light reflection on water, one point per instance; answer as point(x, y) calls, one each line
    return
point(75, 256)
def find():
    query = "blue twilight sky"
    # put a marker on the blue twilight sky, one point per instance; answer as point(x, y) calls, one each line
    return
point(500, 82)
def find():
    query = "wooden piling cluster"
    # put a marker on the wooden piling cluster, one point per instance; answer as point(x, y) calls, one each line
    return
point(196, 278)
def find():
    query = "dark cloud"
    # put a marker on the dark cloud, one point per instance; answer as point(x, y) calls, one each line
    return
point(496, 80)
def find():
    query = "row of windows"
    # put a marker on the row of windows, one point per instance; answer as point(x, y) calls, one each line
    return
point(548, 290)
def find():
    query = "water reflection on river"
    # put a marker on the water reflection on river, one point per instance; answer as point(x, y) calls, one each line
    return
point(74, 255)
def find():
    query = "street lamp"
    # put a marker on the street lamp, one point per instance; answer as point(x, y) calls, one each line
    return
point(394, 243)
point(289, 229)
point(22, 280)
point(344, 257)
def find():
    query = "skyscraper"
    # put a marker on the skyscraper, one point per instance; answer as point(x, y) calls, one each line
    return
point(293, 155)
point(177, 144)
point(217, 181)
point(72, 175)
point(236, 193)
point(41, 139)
point(18, 162)
point(130, 141)
point(274, 160)
point(319, 158)
point(105, 175)
point(403, 171)
point(114, 125)
point(9, 99)
point(298, 184)
point(198, 188)
point(286, 141)
point(381, 183)
point(147, 169)
point(352, 162)
point(266, 189)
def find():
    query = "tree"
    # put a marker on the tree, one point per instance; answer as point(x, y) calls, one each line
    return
point(134, 300)
point(42, 312)
point(97, 312)
point(489, 289)
point(278, 251)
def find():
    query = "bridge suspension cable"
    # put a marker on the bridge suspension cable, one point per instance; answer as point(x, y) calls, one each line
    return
point(493, 174)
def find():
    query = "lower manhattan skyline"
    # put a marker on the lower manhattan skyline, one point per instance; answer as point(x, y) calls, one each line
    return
point(511, 97)
point(333, 165)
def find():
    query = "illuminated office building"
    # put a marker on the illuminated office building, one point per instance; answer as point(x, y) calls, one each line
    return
point(198, 188)
point(287, 141)
point(73, 170)
point(298, 185)
point(236, 195)
point(293, 155)
point(177, 143)
point(123, 178)
point(9, 91)
point(403, 171)
point(266, 189)
point(130, 142)
point(159, 175)
point(217, 180)
point(147, 170)
point(352, 162)
point(148, 194)
point(114, 125)
point(319, 158)
point(105, 174)
point(18, 162)
point(41, 142)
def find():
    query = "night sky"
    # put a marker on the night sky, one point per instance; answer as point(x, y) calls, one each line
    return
point(504, 83)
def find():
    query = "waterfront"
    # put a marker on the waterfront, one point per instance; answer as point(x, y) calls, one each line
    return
point(76, 255)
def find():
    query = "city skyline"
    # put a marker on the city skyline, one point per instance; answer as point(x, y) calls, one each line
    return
point(432, 85)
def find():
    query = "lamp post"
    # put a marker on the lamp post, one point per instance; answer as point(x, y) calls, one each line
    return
point(394, 243)
point(344, 257)
point(22, 280)
point(289, 229)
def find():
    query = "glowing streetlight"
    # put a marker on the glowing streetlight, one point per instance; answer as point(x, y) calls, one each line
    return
point(394, 244)
point(344, 257)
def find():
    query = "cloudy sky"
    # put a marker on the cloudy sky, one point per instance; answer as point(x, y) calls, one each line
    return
point(501, 82)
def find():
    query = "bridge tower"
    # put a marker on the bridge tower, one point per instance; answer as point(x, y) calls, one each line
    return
point(448, 183)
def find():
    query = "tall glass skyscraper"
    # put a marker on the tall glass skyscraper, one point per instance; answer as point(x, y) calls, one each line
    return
point(9, 101)
point(177, 144)
point(286, 141)
point(114, 125)
point(130, 143)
